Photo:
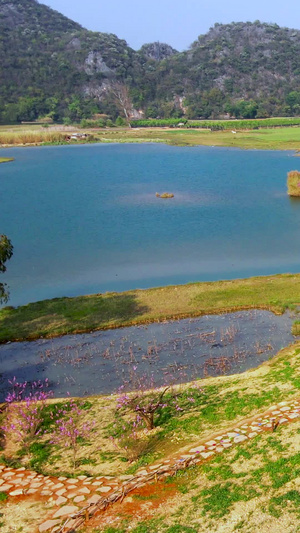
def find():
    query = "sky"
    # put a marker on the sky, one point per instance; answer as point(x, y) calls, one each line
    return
point(176, 22)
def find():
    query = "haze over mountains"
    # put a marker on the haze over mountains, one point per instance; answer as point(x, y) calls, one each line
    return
point(51, 66)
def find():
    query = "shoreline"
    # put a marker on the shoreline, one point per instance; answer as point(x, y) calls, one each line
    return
point(281, 138)
point(146, 141)
point(82, 314)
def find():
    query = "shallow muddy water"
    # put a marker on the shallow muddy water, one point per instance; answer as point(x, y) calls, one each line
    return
point(101, 362)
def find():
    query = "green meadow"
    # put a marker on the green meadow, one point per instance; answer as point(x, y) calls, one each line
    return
point(61, 316)
point(264, 138)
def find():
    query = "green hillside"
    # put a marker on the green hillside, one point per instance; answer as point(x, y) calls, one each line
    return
point(52, 67)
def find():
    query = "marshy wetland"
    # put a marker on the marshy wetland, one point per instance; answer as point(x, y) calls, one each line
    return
point(175, 351)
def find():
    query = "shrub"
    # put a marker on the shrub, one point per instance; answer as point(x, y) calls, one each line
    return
point(293, 183)
point(157, 123)
point(166, 195)
point(26, 404)
point(120, 122)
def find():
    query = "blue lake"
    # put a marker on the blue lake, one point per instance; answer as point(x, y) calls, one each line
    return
point(85, 219)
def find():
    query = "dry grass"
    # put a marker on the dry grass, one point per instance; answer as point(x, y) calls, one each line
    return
point(13, 138)
point(33, 134)
point(293, 183)
point(22, 516)
point(249, 488)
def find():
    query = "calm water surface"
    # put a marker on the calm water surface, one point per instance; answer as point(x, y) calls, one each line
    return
point(85, 219)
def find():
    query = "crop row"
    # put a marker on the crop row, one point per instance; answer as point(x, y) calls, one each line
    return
point(218, 124)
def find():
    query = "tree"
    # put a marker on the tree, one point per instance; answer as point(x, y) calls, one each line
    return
point(293, 101)
point(122, 100)
point(70, 427)
point(245, 109)
point(25, 410)
point(6, 251)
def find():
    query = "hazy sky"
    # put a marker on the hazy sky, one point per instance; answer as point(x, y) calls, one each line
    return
point(176, 22)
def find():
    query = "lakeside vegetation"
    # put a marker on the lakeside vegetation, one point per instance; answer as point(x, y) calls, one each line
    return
point(30, 135)
point(281, 138)
point(293, 183)
point(6, 159)
point(262, 139)
point(252, 124)
point(164, 195)
point(111, 310)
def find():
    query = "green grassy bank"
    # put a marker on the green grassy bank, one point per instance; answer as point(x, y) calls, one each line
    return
point(111, 310)
point(262, 139)
point(279, 138)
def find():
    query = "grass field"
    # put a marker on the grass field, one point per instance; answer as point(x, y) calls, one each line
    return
point(102, 311)
point(285, 138)
point(33, 135)
point(263, 139)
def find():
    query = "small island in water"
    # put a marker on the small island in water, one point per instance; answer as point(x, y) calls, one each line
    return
point(6, 159)
point(293, 183)
point(164, 195)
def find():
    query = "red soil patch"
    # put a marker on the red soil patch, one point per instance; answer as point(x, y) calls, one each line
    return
point(139, 504)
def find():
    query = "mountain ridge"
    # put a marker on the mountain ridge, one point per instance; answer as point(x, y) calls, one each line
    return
point(52, 66)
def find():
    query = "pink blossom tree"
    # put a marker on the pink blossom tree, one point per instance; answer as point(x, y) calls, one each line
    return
point(25, 406)
point(70, 427)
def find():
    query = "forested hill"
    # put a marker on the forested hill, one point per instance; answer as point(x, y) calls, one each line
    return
point(44, 55)
point(52, 67)
point(247, 61)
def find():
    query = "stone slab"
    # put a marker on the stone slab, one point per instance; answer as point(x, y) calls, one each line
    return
point(46, 526)
point(60, 500)
point(66, 510)
point(94, 499)
point(17, 492)
point(205, 455)
point(4, 488)
point(241, 438)
point(79, 499)
point(61, 492)
point(103, 489)
point(84, 490)
point(197, 450)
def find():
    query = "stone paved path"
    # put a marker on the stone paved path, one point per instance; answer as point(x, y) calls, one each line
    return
point(72, 501)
